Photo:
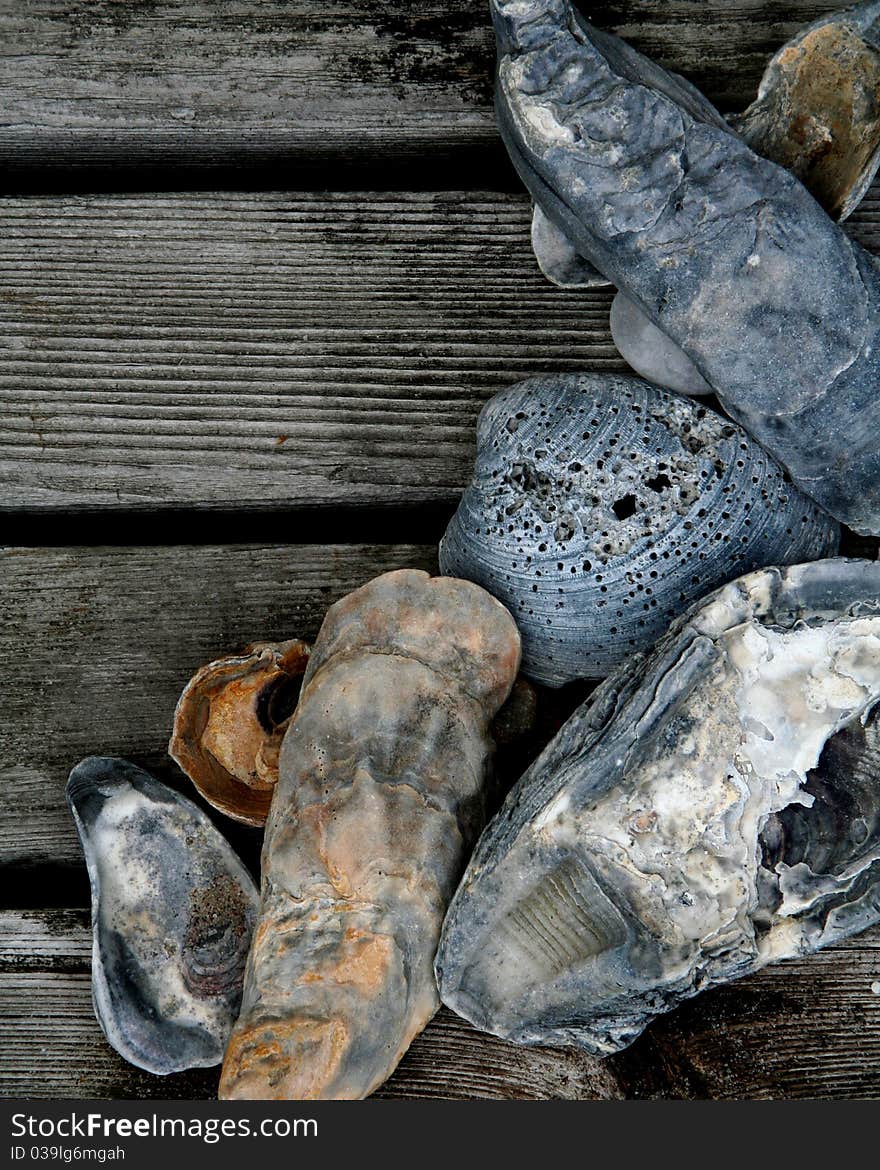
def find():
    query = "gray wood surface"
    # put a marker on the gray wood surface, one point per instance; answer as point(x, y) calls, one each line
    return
point(265, 350)
point(227, 83)
point(809, 1028)
point(97, 644)
point(248, 353)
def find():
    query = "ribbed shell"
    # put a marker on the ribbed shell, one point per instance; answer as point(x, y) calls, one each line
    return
point(601, 507)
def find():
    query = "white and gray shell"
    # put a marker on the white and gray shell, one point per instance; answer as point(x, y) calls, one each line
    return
point(712, 808)
point(601, 507)
point(173, 910)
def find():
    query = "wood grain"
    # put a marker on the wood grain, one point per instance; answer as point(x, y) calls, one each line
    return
point(809, 1028)
point(261, 351)
point(205, 84)
point(97, 644)
point(258, 351)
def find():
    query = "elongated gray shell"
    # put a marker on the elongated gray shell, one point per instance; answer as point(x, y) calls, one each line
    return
point(173, 910)
point(712, 808)
point(601, 507)
point(725, 252)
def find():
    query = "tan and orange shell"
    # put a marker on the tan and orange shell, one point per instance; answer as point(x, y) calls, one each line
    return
point(380, 796)
point(229, 724)
point(818, 108)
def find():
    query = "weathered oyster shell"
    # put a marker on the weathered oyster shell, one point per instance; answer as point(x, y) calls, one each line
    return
point(712, 808)
point(229, 724)
point(601, 507)
point(818, 115)
point(725, 252)
point(172, 914)
point(380, 794)
point(818, 107)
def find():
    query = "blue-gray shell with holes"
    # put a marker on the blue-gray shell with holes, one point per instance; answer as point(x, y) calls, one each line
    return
point(601, 507)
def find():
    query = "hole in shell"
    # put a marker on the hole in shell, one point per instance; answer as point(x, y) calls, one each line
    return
point(277, 701)
point(843, 823)
point(624, 507)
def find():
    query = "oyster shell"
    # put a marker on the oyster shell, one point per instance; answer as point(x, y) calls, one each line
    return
point(712, 808)
point(725, 252)
point(818, 115)
point(381, 792)
point(601, 507)
point(229, 724)
point(172, 914)
point(818, 107)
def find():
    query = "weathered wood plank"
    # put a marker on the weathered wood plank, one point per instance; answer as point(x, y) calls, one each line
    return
point(262, 351)
point(809, 1028)
point(805, 1028)
point(202, 84)
point(97, 644)
point(265, 350)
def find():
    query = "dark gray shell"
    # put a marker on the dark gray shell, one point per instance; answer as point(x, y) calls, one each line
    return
point(173, 910)
point(725, 252)
point(601, 507)
point(712, 808)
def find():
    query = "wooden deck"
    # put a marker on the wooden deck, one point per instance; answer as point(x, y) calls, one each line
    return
point(261, 264)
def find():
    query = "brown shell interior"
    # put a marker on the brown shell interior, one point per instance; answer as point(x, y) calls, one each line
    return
point(229, 724)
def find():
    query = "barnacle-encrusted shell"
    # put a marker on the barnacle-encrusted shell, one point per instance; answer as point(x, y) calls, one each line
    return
point(725, 252)
point(172, 914)
point(712, 808)
point(229, 724)
point(601, 507)
point(818, 107)
point(380, 794)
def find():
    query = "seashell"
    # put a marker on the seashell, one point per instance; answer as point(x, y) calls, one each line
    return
point(557, 257)
point(380, 794)
point(712, 808)
point(172, 914)
point(229, 724)
point(818, 115)
point(818, 107)
point(721, 249)
point(651, 353)
point(601, 507)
